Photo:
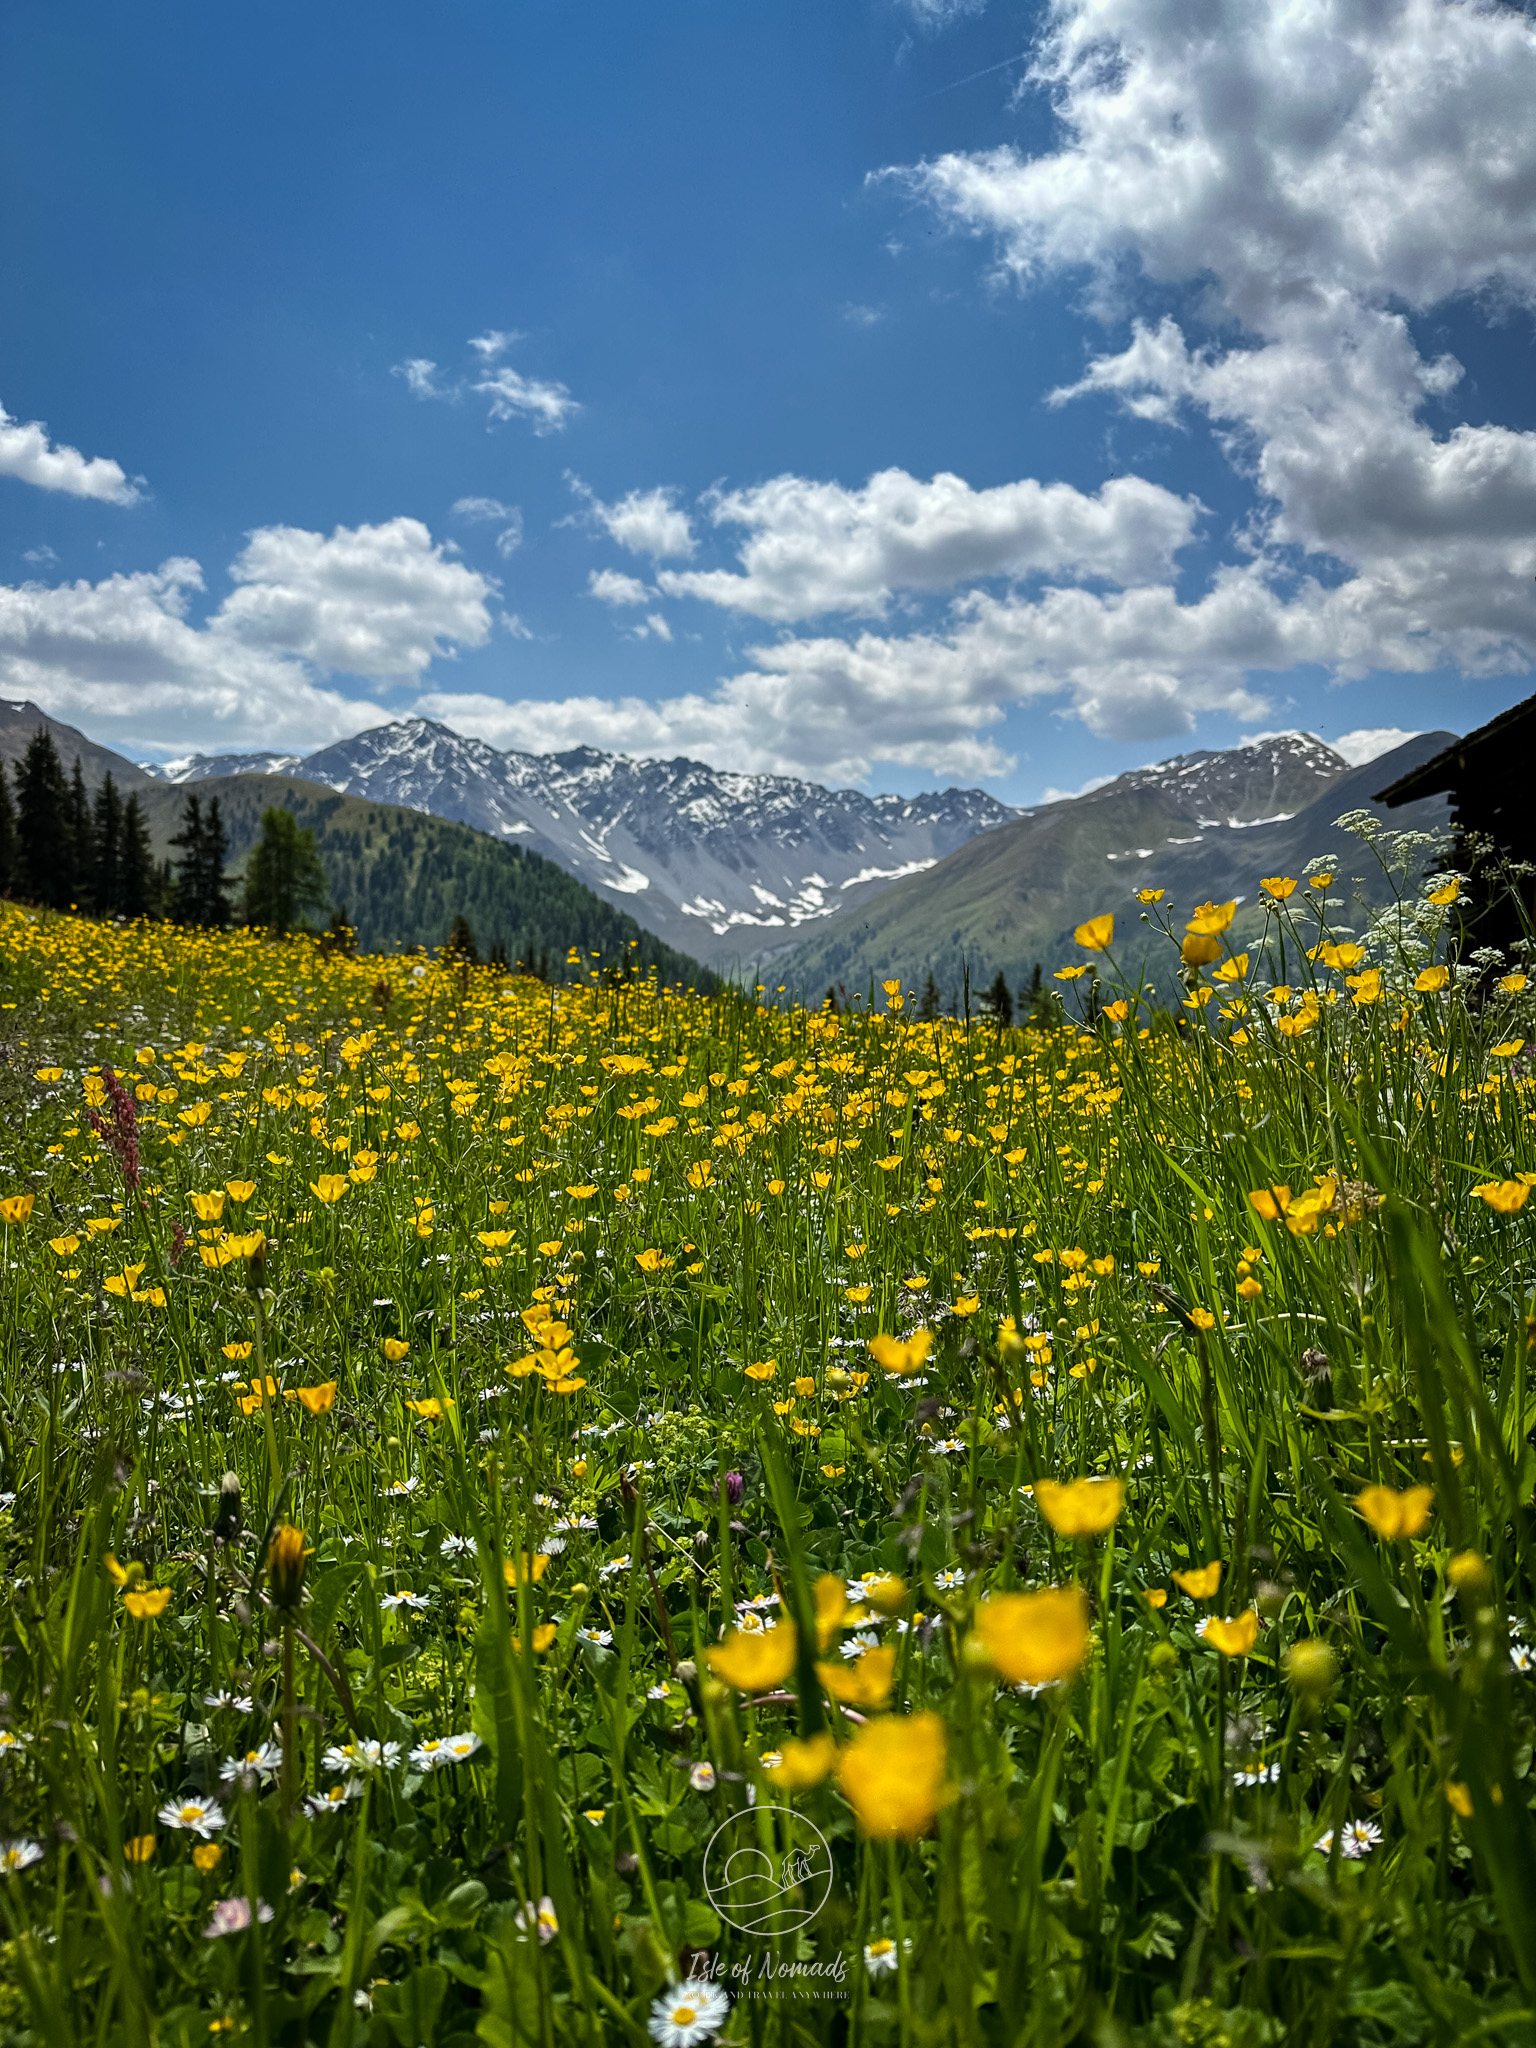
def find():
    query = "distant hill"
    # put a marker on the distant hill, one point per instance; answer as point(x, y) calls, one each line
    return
point(403, 876)
point(1201, 826)
point(729, 867)
point(18, 722)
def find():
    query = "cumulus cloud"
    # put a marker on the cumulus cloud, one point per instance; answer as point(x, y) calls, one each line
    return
point(653, 627)
point(125, 657)
point(612, 586)
point(27, 454)
point(813, 547)
point(420, 374)
point(1369, 742)
point(644, 522)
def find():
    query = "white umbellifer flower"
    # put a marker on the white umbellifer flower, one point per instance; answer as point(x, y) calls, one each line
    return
point(880, 1957)
point(198, 1816)
point(264, 1763)
point(417, 1602)
point(540, 1918)
point(946, 1582)
point(319, 1804)
point(19, 1855)
point(702, 1777)
point(239, 1702)
point(686, 2014)
point(601, 1636)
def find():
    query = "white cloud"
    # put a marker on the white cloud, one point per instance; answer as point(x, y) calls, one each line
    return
point(124, 657)
point(940, 14)
point(612, 586)
point(494, 343)
point(820, 547)
point(366, 600)
point(653, 627)
point(1317, 168)
point(510, 538)
point(645, 522)
point(27, 454)
point(1369, 742)
point(1052, 795)
point(863, 316)
point(548, 405)
point(420, 374)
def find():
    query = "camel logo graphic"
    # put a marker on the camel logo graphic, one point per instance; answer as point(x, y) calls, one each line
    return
point(767, 1870)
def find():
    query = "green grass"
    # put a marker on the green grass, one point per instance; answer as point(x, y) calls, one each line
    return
point(1131, 1855)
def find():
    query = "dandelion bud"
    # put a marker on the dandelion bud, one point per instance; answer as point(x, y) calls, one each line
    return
point(287, 1561)
point(1311, 1666)
point(226, 1523)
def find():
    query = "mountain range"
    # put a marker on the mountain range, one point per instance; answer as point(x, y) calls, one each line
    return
point(824, 886)
point(1202, 826)
point(726, 867)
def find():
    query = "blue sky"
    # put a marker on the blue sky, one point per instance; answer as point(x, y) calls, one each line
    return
point(725, 265)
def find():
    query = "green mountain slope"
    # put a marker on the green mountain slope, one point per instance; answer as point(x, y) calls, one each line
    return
point(403, 876)
point(1012, 897)
point(18, 722)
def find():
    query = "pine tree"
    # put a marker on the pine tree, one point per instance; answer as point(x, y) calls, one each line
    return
point(461, 942)
point(7, 837)
point(106, 840)
point(215, 905)
point(930, 1003)
point(45, 867)
point(283, 877)
point(136, 868)
point(80, 841)
point(189, 865)
point(998, 1003)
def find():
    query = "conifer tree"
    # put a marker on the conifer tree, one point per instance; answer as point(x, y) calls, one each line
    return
point(930, 1002)
point(80, 841)
point(190, 861)
point(45, 866)
point(106, 838)
point(998, 1002)
point(283, 877)
point(136, 868)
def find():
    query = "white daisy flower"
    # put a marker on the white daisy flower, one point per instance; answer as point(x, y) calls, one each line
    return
point(417, 1602)
point(1260, 1774)
point(11, 1742)
point(238, 1702)
point(198, 1816)
point(946, 1582)
point(398, 1487)
point(361, 1756)
point(459, 1748)
point(19, 1855)
point(855, 1646)
point(613, 1567)
point(430, 1754)
point(880, 1957)
point(1522, 1660)
point(702, 1777)
point(686, 2014)
point(458, 1546)
point(659, 1692)
point(1360, 1838)
point(601, 1636)
point(263, 1763)
point(540, 1918)
point(319, 1804)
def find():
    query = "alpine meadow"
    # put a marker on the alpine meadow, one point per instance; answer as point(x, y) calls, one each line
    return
point(1058, 1499)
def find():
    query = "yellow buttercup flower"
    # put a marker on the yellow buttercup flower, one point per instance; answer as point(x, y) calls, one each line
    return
point(1393, 1515)
point(1080, 1507)
point(318, 1400)
point(330, 1187)
point(1035, 1638)
point(1281, 887)
point(901, 1355)
point(1097, 934)
point(208, 1208)
point(146, 1603)
point(1199, 949)
point(861, 1682)
point(516, 1570)
point(1200, 1582)
point(1431, 980)
point(892, 1775)
point(395, 1348)
point(1235, 1636)
point(1447, 893)
point(802, 1764)
point(1150, 895)
point(1505, 1197)
point(1211, 918)
point(16, 1208)
point(754, 1660)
